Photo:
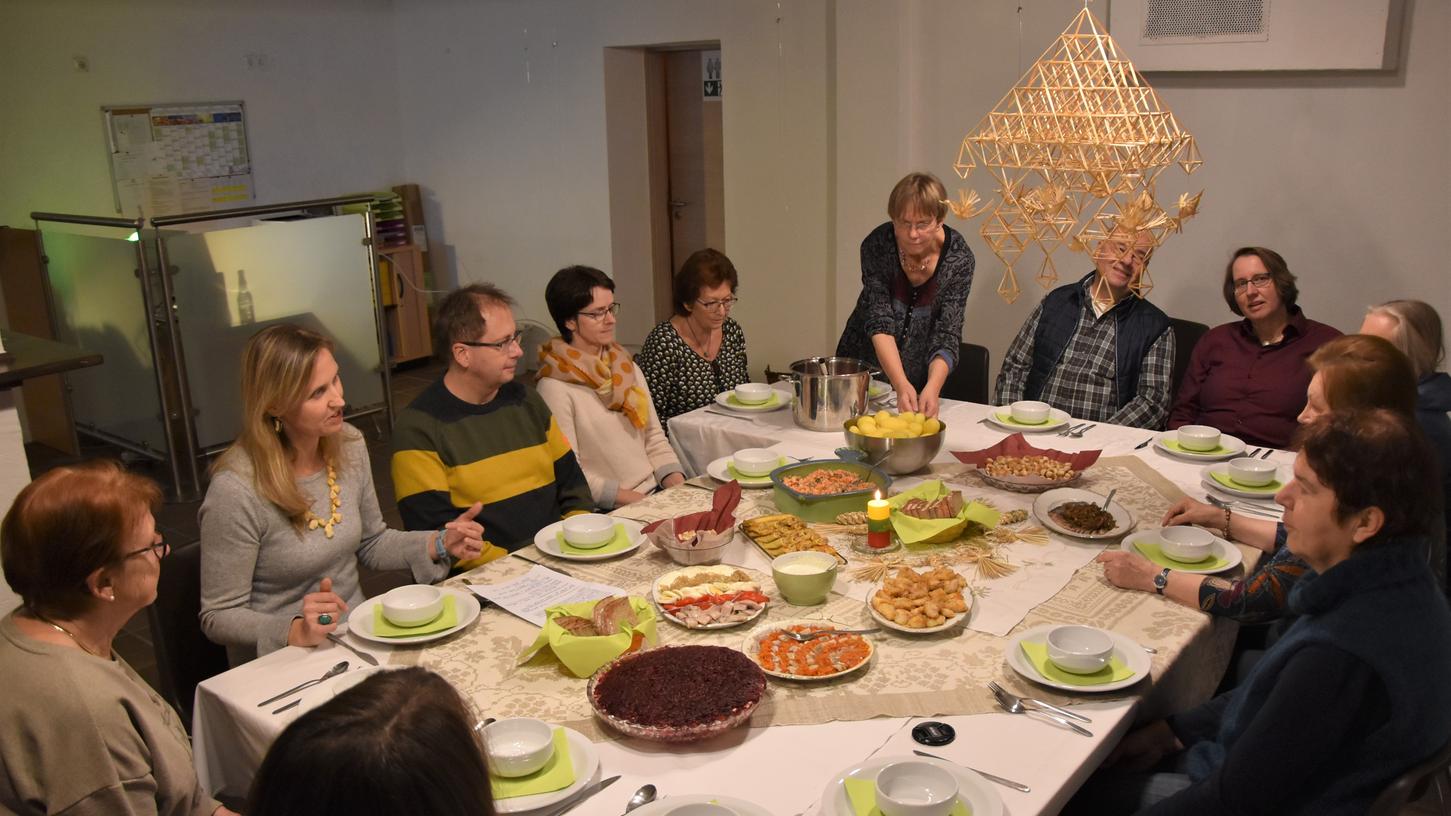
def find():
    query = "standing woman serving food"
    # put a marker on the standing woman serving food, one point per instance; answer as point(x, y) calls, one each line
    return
point(916, 274)
point(291, 508)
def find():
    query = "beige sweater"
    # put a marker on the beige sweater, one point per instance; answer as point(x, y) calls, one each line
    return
point(85, 736)
point(612, 452)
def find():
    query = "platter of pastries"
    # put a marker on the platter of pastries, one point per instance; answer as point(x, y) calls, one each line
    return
point(920, 602)
point(780, 533)
point(825, 657)
point(710, 597)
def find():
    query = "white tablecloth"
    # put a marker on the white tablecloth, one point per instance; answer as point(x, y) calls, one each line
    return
point(784, 768)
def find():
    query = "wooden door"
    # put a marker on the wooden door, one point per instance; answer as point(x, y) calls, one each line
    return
point(27, 306)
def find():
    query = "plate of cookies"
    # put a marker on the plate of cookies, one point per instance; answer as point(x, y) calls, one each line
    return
point(920, 602)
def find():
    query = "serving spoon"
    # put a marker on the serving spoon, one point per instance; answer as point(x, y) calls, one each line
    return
point(802, 637)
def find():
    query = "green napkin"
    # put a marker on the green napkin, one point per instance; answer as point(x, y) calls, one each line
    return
point(583, 656)
point(447, 619)
point(743, 478)
point(1173, 445)
point(863, 796)
point(1007, 419)
point(1152, 551)
point(734, 402)
point(1037, 654)
point(557, 774)
point(621, 541)
point(923, 532)
point(1223, 478)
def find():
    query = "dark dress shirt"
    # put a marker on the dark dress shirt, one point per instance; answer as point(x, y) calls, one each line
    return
point(1252, 391)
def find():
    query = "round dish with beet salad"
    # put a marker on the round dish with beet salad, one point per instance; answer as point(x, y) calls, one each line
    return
point(677, 693)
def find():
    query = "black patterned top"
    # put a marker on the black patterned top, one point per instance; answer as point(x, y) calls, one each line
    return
point(681, 380)
point(926, 320)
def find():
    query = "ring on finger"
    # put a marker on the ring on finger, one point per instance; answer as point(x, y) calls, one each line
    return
point(324, 619)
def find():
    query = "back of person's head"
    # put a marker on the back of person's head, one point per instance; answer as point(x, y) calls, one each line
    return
point(398, 742)
point(1417, 333)
point(67, 524)
point(1358, 371)
point(571, 290)
point(704, 269)
point(921, 193)
point(1376, 458)
point(460, 317)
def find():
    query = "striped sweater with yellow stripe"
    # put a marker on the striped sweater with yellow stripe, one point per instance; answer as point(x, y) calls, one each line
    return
point(508, 454)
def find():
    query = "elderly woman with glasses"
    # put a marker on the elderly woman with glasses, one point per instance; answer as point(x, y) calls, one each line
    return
point(1249, 378)
point(916, 274)
point(83, 732)
point(700, 351)
point(598, 396)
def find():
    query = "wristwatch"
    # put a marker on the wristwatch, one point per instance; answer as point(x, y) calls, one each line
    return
point(1160, 581)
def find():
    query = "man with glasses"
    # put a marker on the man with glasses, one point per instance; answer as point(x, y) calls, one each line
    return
point(476, 435)
point(1094, 348)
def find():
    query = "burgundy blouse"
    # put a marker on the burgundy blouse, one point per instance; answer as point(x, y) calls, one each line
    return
point(1248, 390)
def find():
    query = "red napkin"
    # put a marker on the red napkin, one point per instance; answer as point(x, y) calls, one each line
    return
point(1017, 445)
point(719, 518)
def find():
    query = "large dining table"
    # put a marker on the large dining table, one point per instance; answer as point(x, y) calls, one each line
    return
point(804, 736)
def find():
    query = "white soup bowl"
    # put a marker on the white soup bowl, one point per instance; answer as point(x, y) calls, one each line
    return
point(1079, 649)
point(1030, 412)
point(1198, 438)
point(753, 393)
point(755, 461)
point(1251, 472)
point(518, 746)
point(412, 605)
point(589, 530)
point(1187, 544)
point(914, 788)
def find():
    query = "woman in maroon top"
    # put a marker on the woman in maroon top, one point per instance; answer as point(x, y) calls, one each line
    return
point(1248, 378)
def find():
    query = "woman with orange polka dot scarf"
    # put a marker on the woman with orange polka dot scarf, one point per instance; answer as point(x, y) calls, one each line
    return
point(598, 396)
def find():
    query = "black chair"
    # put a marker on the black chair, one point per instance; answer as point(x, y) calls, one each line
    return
point(1412, 784)
point(968, 381)
point(184, 656)
point(1186, 336)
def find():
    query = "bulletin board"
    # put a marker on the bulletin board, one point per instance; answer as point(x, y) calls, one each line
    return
point(174, 159)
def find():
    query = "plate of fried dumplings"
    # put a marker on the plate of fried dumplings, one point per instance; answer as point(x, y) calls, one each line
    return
point(920, 602)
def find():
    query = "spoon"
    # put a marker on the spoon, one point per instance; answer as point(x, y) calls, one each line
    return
point(802, 637)
point(1108, 500)
point(644, 796)
point(331, 673)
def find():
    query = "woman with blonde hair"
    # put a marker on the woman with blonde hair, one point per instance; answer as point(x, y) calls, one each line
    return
point(291, 508)
point(916, 275)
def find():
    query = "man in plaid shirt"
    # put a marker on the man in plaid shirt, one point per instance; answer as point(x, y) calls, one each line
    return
point(1093, 348)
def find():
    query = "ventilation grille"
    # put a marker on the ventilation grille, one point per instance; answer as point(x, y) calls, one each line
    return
point(1169, 21)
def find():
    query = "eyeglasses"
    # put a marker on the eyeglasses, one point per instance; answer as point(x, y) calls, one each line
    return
point(1259, 281)
point(502, 345)
point(612, 309)
point(717, 305)
point(917, 226)
point(161, 548)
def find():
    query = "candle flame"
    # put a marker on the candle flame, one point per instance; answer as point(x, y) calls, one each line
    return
point(877, 496)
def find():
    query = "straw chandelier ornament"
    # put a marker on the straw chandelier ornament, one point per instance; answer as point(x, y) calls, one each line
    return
point(1075, 149)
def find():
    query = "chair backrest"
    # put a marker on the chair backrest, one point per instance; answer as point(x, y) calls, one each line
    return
point(1186, 336)
point(184, 656)
point(968, 381)
point(1410, 785)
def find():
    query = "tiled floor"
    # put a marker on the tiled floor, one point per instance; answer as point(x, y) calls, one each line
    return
point(177, 521)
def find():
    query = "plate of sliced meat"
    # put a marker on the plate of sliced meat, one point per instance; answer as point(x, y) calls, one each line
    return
point(710, 597)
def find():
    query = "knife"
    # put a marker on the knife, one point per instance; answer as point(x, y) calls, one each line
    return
point(998, 779)
point(585, 794)
point(364, 656)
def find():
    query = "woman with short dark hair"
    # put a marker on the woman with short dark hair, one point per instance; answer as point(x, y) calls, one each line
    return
point(1355, 693)
point(398, 742)
point(1249, 378)
point(84, 734)
point(916, 275)
point(700, 351)
point(597, 394)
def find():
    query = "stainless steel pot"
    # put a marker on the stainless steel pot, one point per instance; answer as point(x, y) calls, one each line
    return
point(829, 391)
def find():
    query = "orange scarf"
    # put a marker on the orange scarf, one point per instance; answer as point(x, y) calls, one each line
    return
point(612, 376)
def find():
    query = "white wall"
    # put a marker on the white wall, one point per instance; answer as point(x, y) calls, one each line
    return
point(321, 114)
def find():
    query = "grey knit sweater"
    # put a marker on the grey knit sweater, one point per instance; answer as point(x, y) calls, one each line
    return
point(256, 567)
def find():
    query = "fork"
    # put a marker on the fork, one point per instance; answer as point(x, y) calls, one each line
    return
point(802, 637)
point(1244, 507)
point(996, 689)
point(1069, 431)
point(1014, 705)
point(1079, 432)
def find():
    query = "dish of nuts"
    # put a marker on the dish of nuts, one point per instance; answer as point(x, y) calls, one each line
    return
point(1039, 466)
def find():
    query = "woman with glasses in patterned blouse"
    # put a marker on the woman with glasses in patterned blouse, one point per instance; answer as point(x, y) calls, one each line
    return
point(700, 351)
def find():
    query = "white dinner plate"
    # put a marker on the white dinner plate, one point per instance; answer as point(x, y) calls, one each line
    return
point(1127, 649)
point(718, 471)
point(751, 647)
point(955, 620)
point(1283, 474)
point(1122, 518)
point(673, 574)
point(586, 763)
point(668, 805)
point(1056, 420)
point(465, 605)
point(778, 400)
point(972, 790)
point(1222, 548)
point(545, 542)
point(1233, 446)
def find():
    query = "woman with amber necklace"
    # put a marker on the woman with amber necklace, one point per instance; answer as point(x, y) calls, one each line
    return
point(291, 508)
